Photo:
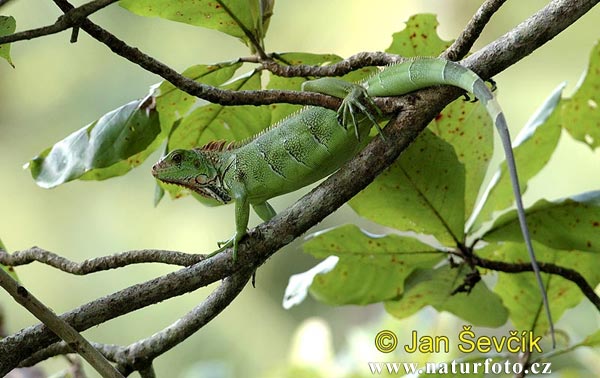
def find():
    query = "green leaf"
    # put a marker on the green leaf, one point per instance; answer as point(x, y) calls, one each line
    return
point(371, 268)
point(423, 191)
point(469, 129)
point(465, 125)
point(568, 223)
point(532, 149)
point(110, 146)
point(247, 19)
point(7, 27)
point(173, 104)
point(520, 292)
point(434, 287)
point(419, 38)
point(581, 113)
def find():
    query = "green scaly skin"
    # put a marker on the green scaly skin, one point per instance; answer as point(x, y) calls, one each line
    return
point(313, 143)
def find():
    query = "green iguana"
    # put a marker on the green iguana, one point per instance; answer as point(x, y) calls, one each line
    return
point(314, 142)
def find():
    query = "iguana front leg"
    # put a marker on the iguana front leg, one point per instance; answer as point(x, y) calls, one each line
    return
point(356, 101)
point(242, 215)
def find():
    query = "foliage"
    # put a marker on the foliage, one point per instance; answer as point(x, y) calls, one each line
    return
point(247, 20)
point(108, 147)
point(7, 26)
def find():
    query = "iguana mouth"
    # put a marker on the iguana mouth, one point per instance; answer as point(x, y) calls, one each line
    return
point(214, 192)
point(206, 190)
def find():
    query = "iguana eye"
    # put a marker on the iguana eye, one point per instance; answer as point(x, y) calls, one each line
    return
point(177, 157)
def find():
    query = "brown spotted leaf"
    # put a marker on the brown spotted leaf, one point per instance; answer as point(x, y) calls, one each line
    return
point(371, 268)
point(423, 191)
point(568, 223)
point(247, 20)
point(419, 38)
point(581, 112)
point(435, 287)
point(520, 292)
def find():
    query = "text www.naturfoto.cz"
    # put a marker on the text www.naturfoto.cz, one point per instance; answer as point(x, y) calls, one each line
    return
point(454, 367)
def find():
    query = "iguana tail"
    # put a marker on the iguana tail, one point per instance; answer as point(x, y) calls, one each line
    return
point(426, 72)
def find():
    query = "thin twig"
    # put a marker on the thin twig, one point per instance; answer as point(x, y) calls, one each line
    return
point(99, 263)
point(145, 351)
point(66, 21)
point(472, 31)
point(206, 92)
point(61, 348)
point(141, 353)
point(58, 326)
point(360, 60)
point(566, 273)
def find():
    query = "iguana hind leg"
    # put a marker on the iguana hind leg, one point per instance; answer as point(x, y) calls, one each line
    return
point(264, 210)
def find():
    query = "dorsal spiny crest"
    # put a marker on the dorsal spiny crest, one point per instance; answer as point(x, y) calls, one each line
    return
point(218, 145)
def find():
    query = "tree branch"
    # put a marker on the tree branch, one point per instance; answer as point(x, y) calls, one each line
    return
point(141, 354)
point(61, 348)
point(569, 274)
point(58, 326)
point(459, 49)
point(472, 31)
point(70, 19)
point(99, 263)
point(206, 92)
point(360, 60)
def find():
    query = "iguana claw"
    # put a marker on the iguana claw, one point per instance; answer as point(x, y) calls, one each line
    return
point(223, 245)
point(353, 104)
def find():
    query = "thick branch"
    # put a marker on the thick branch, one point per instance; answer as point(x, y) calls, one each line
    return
point(58, 326)
point(71, 18)
point(144, 351)
point(140, 354)
point(267, 238)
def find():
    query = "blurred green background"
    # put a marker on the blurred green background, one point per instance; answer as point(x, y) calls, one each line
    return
point(58, 87)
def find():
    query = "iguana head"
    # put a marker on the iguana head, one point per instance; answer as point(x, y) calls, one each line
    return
point(195, 170)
